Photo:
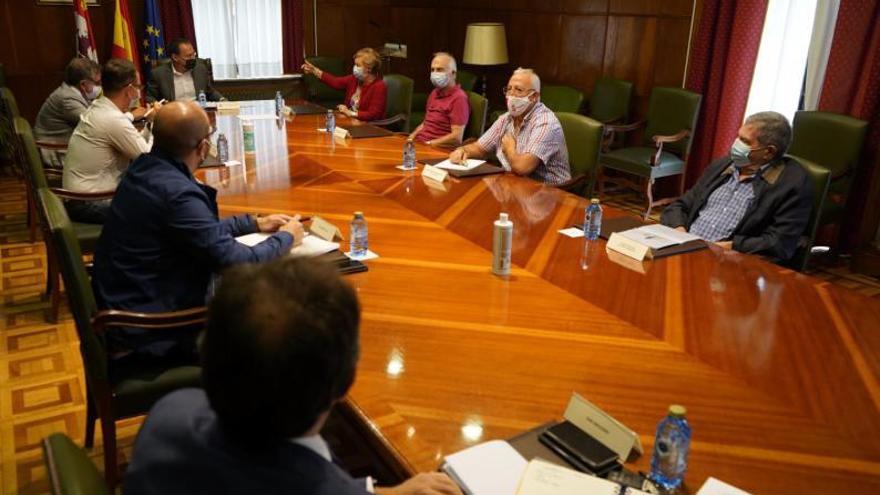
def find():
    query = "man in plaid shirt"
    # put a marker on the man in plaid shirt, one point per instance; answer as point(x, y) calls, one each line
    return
point(528, 139)
point(755, 200)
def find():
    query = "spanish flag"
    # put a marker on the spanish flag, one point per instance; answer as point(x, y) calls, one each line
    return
point(124, 43)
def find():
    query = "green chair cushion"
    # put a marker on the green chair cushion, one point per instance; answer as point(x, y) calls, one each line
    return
point(145, 383)
point(637, 161)
point(87, 234)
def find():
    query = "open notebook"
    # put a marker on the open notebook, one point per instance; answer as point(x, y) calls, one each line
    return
point(545, 478)
point(311, 246)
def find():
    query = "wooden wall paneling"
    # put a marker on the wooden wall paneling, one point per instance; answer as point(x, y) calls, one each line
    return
point(331, 32)
point(634, 7)
point(528, 5)
point(585, 6)
point(671, 41)
point(365, 25)
point(534, 41)
point(425, 31)
point(582, 50)
point(630, 49)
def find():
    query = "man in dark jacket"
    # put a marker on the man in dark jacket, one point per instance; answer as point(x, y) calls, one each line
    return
point(183, 78)
point(755, 200)
point(280, 349)
point(163, 240)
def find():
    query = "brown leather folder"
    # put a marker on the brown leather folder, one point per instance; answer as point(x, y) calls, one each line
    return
point(484, 169)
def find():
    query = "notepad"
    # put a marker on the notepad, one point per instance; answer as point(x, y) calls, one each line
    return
point(657, 236)
point(490, 468)
point(544, 478)
point(714, 486)
point(312, 245)
point(470, 164)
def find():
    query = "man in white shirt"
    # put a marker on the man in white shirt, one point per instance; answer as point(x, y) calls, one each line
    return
point(182, 79)
point(105, 141)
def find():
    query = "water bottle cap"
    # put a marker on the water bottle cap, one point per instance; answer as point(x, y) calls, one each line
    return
point(677, 411)
point(502, 217)
point(358, 214)
point(594, 201)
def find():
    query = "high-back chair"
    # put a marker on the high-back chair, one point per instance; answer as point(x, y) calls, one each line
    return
point(398, 102)
point(583, 139)
point(319, 92)
point(610, 101)
point(466, 79)
point(562, 98)
point(672, 117)
point(820, 178)
point(477, 120)
point(112, 393)
point(35, 178)
point(835, 142)
point(69, 469)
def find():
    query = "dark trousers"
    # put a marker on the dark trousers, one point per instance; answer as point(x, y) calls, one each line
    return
point(88, 211)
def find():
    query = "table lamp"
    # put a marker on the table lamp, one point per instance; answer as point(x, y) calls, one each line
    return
point(485, 43)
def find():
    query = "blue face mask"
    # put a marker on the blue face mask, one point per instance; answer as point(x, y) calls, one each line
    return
point(739, 153)
point(439, 79)
point(358, 72)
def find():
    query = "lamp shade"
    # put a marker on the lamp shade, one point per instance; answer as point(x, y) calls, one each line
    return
point(485, 44)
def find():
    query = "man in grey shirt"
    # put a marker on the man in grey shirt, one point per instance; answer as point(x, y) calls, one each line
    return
point(60, 113)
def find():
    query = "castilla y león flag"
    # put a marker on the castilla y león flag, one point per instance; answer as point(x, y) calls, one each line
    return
point(85, 39)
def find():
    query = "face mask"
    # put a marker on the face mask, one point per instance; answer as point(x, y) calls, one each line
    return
point(516, 105)
point(358, 72)
point(136, 101)
point(739, 153)
point(190, 64)
point(94, 93)
point(439, 79)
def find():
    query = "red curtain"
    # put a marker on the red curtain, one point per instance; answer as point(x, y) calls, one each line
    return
point(292, 35)
point(177, 20)
point(721, 64)
point(852, 87)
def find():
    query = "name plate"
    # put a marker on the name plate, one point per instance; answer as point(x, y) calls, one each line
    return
point(601, 426)
point(628, 247)
point(434, 173)
point(341, 133)
point(324, 229)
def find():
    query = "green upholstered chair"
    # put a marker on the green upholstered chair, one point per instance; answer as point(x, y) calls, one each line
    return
point(583, 139)
point(319, 92)
point(466, 79)
point(398, 102)
point(35, 178)
point(820, 177)
point(112, 393)
point(69, 469)
point(610, 101)
point(562, 98)
point(479, 107)
point(672, 116)
point(835, 142)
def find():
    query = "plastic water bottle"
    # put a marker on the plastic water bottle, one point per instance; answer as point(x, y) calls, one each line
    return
point(279, 103)
point(330, 122)
point(593, 220)
point(409, 155)
point(358, 235)
point(222, 148)
point(671, 449)
point(502, 243)
point(203, 100)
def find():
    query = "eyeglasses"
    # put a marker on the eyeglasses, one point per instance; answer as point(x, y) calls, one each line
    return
point(136, 85)
point(511, 91)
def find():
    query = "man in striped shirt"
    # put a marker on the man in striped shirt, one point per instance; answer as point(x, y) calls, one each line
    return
point(528, 139)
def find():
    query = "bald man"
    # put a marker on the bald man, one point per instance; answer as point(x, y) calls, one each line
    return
point(163, 240)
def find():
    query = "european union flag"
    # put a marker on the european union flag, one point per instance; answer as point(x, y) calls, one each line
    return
point(154, 42)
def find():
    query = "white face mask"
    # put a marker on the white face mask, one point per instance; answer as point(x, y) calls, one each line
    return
point(516, 105)
point(136, 101)
point(439, 79)
point(358, 72)
point(94, 93)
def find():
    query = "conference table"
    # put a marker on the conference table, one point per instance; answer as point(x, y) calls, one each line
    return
point(778, 370)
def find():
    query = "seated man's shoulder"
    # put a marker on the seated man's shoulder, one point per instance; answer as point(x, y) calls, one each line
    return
point(180, 404)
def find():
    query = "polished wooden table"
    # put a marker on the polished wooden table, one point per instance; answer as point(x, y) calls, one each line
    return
point(779, 371)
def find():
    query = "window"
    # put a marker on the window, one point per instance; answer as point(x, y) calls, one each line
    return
point(241, 37)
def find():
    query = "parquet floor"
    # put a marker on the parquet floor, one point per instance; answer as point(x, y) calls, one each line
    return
point(42, 387)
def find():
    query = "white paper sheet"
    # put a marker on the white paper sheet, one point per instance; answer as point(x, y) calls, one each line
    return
point(714, 486)
point(572, 232)
point(658, 236)
point(311, 245)
point(670, 233)
point(454, 166)
point(490, 468)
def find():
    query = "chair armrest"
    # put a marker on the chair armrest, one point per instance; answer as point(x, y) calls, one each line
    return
point(65, 194)
point(678, 136)
point(571, 183)
point(624, 127)
point(49, 145)
point(390, 120)
point(172, 319)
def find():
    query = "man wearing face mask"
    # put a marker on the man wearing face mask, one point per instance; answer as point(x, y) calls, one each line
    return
point(528, 139)
point(447, 110)
point(365, 91)
point(183, 78)
point(105, 141)
point(163, 240)
point(756, 200)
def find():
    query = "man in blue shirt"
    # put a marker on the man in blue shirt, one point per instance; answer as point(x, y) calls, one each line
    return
point(755, 200)
point(163, 240)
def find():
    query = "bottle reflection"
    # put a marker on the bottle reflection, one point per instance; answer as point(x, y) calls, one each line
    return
point(589, 254)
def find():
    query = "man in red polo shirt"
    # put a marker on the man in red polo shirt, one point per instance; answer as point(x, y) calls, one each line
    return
point(447, 111)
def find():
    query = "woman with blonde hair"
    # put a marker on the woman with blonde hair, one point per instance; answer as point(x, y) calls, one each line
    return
point(365, 91)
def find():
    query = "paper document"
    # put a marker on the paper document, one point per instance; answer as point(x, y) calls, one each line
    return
point(658, 236)
point(572, 232)
point(258, 116)
point(490, 468)
point(714, 486)
point(544, 478)
point(469, 164)
point(312, 245)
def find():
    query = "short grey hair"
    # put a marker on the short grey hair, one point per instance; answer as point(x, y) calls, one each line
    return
point(773, 129)
point(536, 81)
point(452, 64)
